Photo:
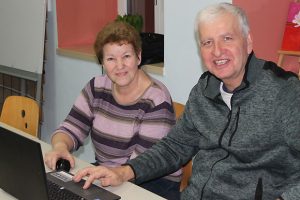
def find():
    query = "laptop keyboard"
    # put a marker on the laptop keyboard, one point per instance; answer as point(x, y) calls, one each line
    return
point(57, 192)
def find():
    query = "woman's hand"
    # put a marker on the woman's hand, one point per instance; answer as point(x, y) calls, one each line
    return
point(106, 176)
point(59, 151)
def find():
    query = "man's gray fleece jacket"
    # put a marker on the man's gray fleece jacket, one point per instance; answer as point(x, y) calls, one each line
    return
point(259, 138)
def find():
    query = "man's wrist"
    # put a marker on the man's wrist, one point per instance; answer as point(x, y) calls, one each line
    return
point(126, 172)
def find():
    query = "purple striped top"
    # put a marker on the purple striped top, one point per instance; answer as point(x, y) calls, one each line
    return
point(119, 132)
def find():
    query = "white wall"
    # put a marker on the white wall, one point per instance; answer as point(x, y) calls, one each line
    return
point(65, 77)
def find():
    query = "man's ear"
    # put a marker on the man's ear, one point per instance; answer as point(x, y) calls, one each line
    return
point(249, 43)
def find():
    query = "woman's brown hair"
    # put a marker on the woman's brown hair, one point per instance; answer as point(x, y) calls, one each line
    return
point(117, 32)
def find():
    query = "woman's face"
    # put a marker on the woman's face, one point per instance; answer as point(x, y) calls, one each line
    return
point(120, 62)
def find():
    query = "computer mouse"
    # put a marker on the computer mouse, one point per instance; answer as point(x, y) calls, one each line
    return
point(63, 164)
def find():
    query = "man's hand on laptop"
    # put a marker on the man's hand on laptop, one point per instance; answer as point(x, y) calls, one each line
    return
point(106, 176)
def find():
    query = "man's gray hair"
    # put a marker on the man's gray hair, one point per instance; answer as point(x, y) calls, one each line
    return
point(215, 10)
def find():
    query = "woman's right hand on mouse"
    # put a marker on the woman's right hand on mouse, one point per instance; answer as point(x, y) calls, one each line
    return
point(59, 150)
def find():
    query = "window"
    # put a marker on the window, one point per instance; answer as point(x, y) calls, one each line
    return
point(78, 22)
point(151, 10)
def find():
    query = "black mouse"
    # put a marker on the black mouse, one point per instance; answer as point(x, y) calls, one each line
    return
point(63, 164)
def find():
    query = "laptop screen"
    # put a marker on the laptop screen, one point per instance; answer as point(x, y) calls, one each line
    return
point(21, 166)
point(22, 172)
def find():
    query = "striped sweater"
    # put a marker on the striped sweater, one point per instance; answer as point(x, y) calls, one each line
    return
point(119, 132)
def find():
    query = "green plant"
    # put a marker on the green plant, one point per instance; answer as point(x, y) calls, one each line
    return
point(135, 20)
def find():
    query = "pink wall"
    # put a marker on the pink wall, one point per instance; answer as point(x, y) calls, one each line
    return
point(267, 20)
point(79, 21)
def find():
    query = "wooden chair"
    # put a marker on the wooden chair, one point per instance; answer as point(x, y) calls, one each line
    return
point(21, 113)
point(187, 169)
point(288, 53)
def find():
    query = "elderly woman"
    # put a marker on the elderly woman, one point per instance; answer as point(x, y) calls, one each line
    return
point(124, 111)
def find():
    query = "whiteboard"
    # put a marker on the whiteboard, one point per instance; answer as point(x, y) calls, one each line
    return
point(22, 34)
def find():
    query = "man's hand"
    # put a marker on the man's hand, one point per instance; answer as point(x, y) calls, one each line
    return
point(106, 176)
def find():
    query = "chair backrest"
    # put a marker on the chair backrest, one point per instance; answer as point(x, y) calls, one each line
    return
point(187, 169)
point(178, 108)
point(22, 113)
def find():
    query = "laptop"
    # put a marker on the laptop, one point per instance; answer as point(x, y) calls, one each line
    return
point(23, 175)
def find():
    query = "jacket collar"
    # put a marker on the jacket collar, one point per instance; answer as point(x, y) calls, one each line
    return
point(253, 69)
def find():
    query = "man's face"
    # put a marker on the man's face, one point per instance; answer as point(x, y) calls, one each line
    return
point(224, 49)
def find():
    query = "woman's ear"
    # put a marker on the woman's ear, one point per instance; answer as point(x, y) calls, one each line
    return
point(139, 55)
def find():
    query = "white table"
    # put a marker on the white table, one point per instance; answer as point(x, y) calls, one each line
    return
point(127, 191)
